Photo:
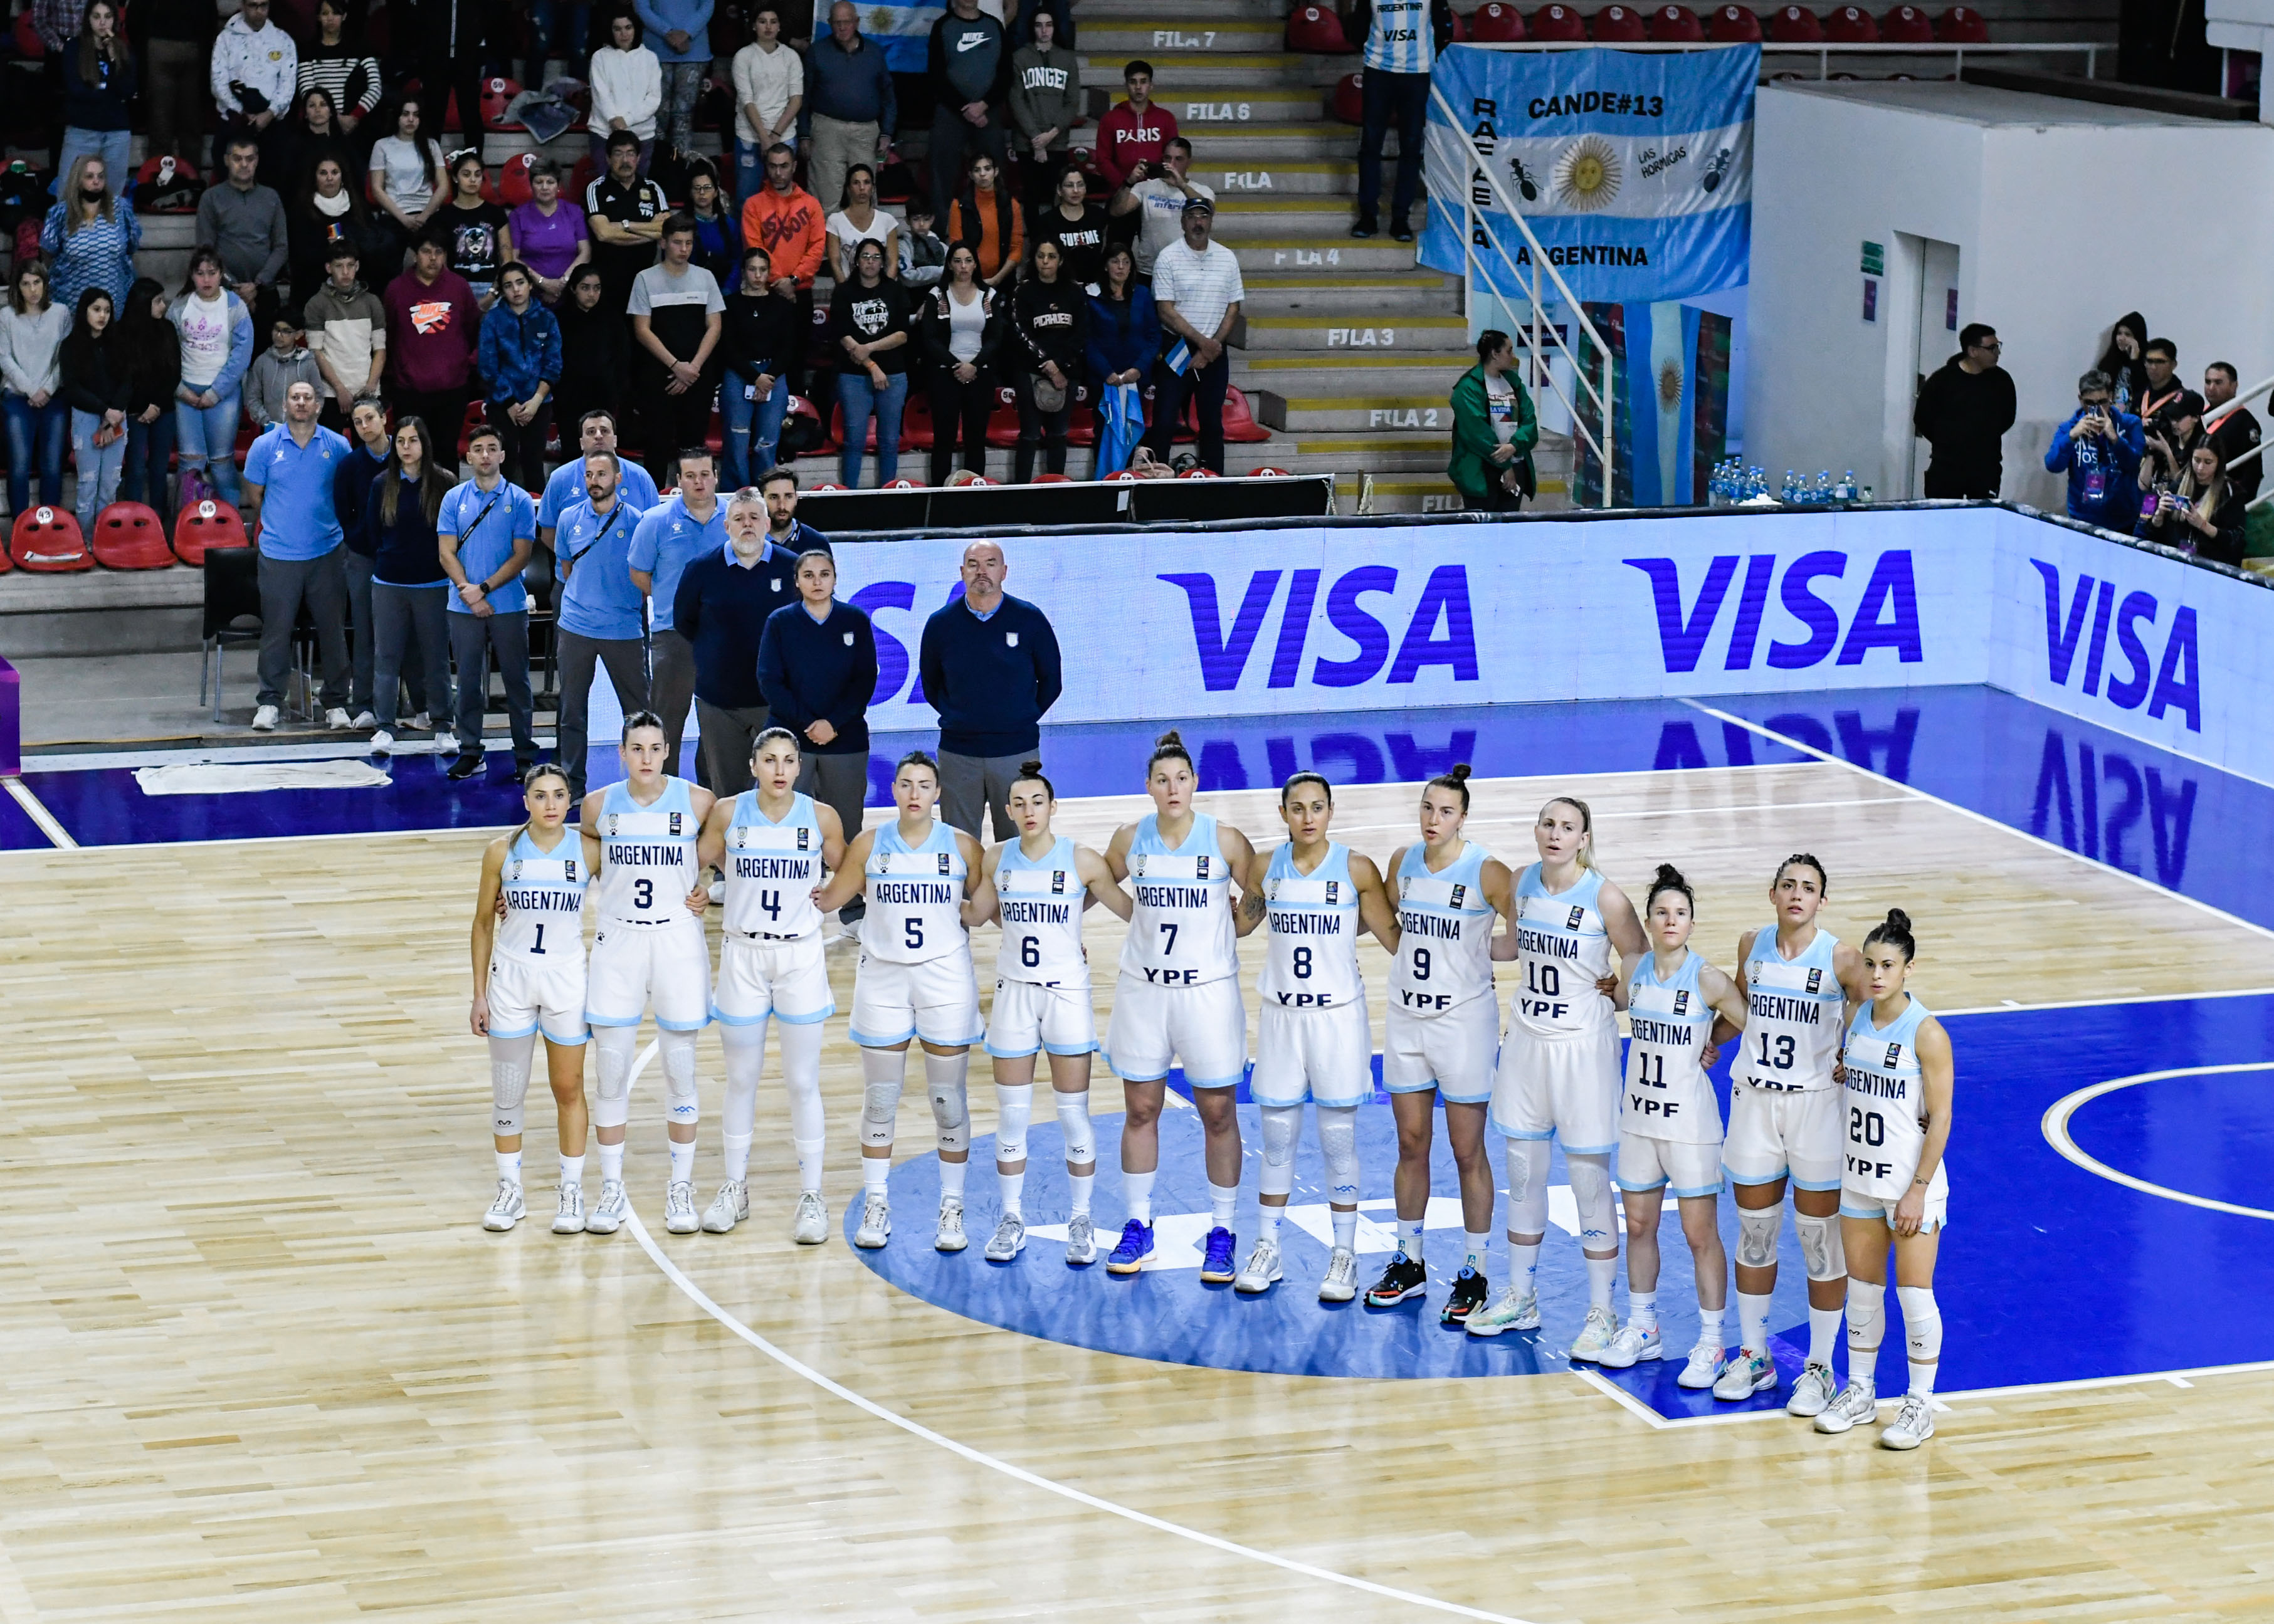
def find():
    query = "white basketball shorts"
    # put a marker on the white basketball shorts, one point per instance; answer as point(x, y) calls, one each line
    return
point(787, 980)
point(1856, 1204)
point(1452, 1053)
point(633, 964)
point(1562, 1088)
point(1029, 1018)
point(527, 997)
point(936, 1001)
point(1775, 1134)
point(1204, 1027)
point(1654, 1164)
point(1325, 1055)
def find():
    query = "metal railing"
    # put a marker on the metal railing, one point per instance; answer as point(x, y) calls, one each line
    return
point(1822, 50)
point(2213, 418)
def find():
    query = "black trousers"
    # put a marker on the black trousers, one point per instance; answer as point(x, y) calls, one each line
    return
point(1037, 426)
point(443, 411)
point(670, 422)
point(1402, 99)
point(959, 410)
point(1204, 387)
point(1954, 476)
point(525, 442)
point(953, 139)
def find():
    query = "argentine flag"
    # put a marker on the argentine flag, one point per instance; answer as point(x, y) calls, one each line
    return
point(904, 30)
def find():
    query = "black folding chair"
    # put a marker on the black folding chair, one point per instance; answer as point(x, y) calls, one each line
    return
point(232, 613)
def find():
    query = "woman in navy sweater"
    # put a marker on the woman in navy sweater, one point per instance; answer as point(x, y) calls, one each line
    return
point(1125, 334)
point(408, 587)
point(817, 665)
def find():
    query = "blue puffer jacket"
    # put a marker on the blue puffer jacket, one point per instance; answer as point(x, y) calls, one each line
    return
point(516, 353)
point(2104, 474)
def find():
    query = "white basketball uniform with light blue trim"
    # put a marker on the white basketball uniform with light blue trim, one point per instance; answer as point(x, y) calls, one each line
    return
point(1885, 1096)
point(1313, 1040)
point(1559, 1065)
point(1041, 975)
point(650, 947)
point(772, 964)
point(537, 959)
point(1400, 41)
point(1443, 1026)
point(1669, 1122)
point(915, 978)
point(1784, 1108)
point(1178, 997)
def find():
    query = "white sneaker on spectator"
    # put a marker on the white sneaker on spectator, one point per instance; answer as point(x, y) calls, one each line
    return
point(364, 719)
point(382, 743)
point(336, 719)
point(446, 744)
point(264, 720)
point(419, 724)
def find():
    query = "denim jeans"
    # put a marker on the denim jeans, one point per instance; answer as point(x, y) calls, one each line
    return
point(207, 438)
point(561, 29)
point(751, 164)
point(149, 450)
point(753, 429)
point(859, 397)
point(115, 147)
point(99, 468)
point(43, 428)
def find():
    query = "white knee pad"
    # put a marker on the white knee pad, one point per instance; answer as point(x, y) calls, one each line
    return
point(1527, 1187)
point(1073, 1123)
point(881, 1072)
point(1757, 1235)
point(1015, 1109)
point(1591, 1194)
point(618, 1047)
point(509, 1083)
point(1820, 1251)
point(943, 1081)
point(1338, 1145)
point(1922, 1323)
point(1867, 1307)
point(680, 1090)
point(745, 1054)
point(1282, 1125)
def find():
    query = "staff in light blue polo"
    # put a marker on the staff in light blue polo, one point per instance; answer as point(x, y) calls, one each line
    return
point(288, 495)
point(596, 431)
point(603, 620)
point(486, 531)
point(688, 526)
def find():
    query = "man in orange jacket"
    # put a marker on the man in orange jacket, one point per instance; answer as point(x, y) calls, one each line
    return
point(787, 221)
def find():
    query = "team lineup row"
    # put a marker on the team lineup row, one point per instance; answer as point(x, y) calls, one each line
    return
point(1842, 1087)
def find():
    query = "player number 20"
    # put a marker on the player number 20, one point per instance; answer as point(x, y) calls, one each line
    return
point(1865, 1127)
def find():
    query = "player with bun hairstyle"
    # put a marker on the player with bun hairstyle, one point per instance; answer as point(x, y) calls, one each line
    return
point(1670, 1125)
point(1037, 888)
point(1442, 1032)
point(1896, 1083)
point(1177, 998)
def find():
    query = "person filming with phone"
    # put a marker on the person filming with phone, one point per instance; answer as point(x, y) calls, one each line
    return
point(2099, 449)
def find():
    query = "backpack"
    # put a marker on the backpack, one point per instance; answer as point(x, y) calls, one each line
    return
point(167, 187)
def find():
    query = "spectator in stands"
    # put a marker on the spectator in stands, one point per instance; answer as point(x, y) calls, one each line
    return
point(477, 233)
point(91, 235)
point(595, 350)
point(1076, 225)
point(244, 219)
point(962, 325)
point(992, 669)
point(626, 91)
point(1134, 133)
point(100, 86)
point(152, 359)
point(1401, 47)
point(678, 36)
point(677, 312)
point(1197, 291)
point(1964, 410)
point(989, 218)
point(596, 431)
point(2233, 431)
point(600, 623)
point(2159, 361)
point(1494, 431)
point(1046, 104)
point(288, 503)
point(92, 368)
point(1160, 189)
point(486, 529)
point(31, 333)
point(406, 182)
point(551, 240)
point(718, 233)
point(787, 531)
point(1124, 337)
point(256, 67)
point(848, 114)
point(340, 66)
point(174, 35)
point(924, 256)
point(817, 666)
point(520, 361)
point(432, 328)
point(670, 536)
point(2099, 449)
point(868, 322)
point(560, 27)
point(370, 447)
point(758, 338)
point(455, 38)
point(786, 223)
point(346, 324)
point(768, 91)
point(969, 68)
point(1049, 337)
point(217, 333)
point(313, 131)
point(724, 600)
point(324, 213)
point(858, 222)
point(625, 214)
point(2124, 363)
point(410, 594)
point(2203, 514)
point(276, 369)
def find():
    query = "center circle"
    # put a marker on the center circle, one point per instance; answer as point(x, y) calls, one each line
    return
point(2198, 1125)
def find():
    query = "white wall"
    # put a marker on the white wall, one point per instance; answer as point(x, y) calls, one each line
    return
point(2050, 204)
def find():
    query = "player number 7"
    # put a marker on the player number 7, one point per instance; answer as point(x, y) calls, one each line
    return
point(1169, 947)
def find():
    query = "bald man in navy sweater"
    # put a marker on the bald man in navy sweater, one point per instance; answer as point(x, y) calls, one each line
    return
point(991, 669)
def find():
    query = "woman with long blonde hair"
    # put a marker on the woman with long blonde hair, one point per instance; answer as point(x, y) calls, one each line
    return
point(88, 237)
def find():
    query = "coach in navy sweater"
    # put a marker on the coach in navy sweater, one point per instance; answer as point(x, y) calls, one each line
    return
point(990, 669)
point(817, 665)
point(724, 600)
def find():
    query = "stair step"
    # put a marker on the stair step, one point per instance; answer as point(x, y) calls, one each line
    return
point(1430, 334)
point(1254, 146)
point(1399, 493)
point(1351, 374)
point(1130, 13)
point(1258, 104)
point(1311, 177)
point(1151, 37)
point(1349, 298)
point(1174, 75)
point(1305, 413)
point(1324, 255)
point(1243, 216)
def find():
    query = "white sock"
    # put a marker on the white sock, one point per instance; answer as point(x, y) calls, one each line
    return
point(1923, 1332)
point(874, 1171)
point(1345, 1228)
point(682, 1163)
point(1224, 1204)
point(1753, 1321)
point(1081, 1184)
point(738, 1156)
point(612, 1163)
point(1709, 1327)
point(1522, 1267)
point(1137, 1190)
point(951, 1179)
point(572, 1171)
point(1270, 1218)
point(1409, 1238)
point(1823, 1334)
point(508, 1166)
point(1473, 1243)
point(1013, 1189)
point(1601, 1273)
point(1641, 1310)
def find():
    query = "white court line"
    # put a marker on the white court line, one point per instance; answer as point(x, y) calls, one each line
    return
point(2094, 1003)
point(1606, 817)
point(2055, 1126)
point(55, 831)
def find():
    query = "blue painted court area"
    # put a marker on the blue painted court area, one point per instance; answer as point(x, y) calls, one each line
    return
point(2049, 1272)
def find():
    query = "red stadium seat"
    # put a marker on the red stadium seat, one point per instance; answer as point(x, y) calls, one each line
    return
point(836, 431)
point(1460, 29)
point(1558, 25)
point(1618, 25)
point(129, 536)
point(47, 540)
point(28, 43)
point(1676, 24)
point(1350, 99)
point(829, 485)
point(1199, 473)
point(1496, 22)
point(512, 180)
point(206, 527)
point(1240, 427)
point(1796, 24)
point(915, 423)
point(497, 95)
point(6, 563)
point(1850, 25)
point(1961, 25)
point(583, 176)
point(1053, 478)
point(1119, 476)
point(1002, 422)
point(1316, 31)
point(1082, 422)
point(1734, 24)
point(1273, 473)
point(1907, 24)
point(900, 485)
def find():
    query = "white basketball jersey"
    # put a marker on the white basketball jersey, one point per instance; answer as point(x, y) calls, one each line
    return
point(1562, 950)
point(1885, 1096)
point(1180, 929)
point(1039, 901)
point(544, 894)
point(771, 870)
point(647, 855)
point(916, 897)
point(1310, 956)
point(1793, 1009)
point(1445, 926)
point(1667, 1094)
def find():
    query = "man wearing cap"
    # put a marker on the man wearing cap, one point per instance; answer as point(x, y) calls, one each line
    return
point(1197, 290)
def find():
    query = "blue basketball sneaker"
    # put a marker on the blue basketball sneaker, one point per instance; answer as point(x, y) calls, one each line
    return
point(1217, 1268)
point(1136, 1246)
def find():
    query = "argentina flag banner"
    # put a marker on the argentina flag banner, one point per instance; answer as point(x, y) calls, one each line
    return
point(904, 30)
point(1634, 169)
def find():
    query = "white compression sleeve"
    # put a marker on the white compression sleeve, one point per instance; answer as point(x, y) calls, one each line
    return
point(882, 1072)
point(681, 1092)
point(1527, 1187)
point(612, 1102)
point(509, 1083)
point(951, 1112)
point(1014, 1109)
point(1591, 1194)
point(1283, 1124)
point(1338, 1143)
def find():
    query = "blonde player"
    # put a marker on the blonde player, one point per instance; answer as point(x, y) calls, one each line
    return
point(773, 845)
point(1444, 1033)
point(1897, 1080)
point(1177, 998)
point(1671, 1127)
point(1559, 1067)
point(1313, 1041)
point(1799, 984)
point(529, 978)
point(1036, 887)
point(640, 836)
point(914, 982)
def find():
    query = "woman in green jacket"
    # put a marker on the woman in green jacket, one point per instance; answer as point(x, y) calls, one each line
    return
point(1494, 431)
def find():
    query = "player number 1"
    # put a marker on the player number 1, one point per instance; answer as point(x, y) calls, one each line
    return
point(540, 937)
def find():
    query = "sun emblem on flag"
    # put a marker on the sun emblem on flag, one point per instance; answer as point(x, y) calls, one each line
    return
point(1587, 176)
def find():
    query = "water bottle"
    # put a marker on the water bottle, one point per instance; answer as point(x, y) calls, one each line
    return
point(1824, 488)
point(1760, 482)
point(1788, 493)
point(1847, 491)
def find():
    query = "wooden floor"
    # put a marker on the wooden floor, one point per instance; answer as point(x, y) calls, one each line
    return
point(262, 1364)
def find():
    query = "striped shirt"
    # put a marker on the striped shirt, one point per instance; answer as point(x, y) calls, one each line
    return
point(336, 74)
point(1399, 41)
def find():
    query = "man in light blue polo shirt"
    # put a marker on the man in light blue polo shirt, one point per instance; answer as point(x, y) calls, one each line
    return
point(288, 495)
point(486, 530)
point(596, 431)
point(683, 528)
point(602, 615)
